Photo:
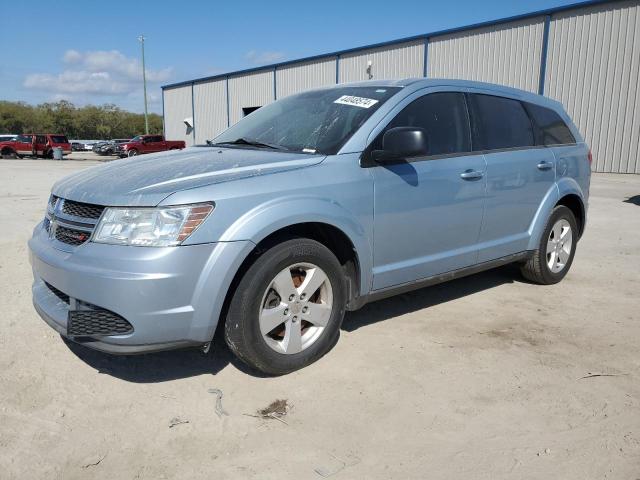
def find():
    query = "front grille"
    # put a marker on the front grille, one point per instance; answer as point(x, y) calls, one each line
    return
point(85, 210)
point(100, 322)
point(61, 295)
point(52, 200)
point(71, 236)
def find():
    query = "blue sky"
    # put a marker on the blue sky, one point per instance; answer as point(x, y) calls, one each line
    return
point(88, 53)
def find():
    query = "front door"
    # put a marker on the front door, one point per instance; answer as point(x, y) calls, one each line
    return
point(24, 144)
point(428, 209)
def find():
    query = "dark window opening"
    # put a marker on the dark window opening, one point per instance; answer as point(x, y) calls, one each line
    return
point(247, 110)
point(499, 122)
point(444, 118)
point(550, 128)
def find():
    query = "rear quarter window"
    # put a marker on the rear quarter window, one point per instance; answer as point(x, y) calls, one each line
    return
point(59, 139)
point(498, 123)
point(550, 129)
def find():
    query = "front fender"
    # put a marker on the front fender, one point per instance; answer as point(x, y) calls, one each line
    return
point(268, 218)
point(563, 187)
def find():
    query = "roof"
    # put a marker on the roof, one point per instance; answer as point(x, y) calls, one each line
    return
point(424, 36)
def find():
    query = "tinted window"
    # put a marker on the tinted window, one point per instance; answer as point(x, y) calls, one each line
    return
point(499, 122)
point(24, 138)
point(550, 128)
point(444, 118)
point(59, 139)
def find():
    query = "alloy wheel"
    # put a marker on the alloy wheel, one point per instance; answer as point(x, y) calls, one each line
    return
point(296, 308)
point(559, 245)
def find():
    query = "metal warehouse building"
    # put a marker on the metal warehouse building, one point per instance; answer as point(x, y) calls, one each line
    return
point(585, 55)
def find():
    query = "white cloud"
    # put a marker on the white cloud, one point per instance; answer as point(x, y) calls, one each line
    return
point(257, 57)
point(106, 73)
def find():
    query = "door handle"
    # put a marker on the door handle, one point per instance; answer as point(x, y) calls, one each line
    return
point(545, 165)
point(471, 175)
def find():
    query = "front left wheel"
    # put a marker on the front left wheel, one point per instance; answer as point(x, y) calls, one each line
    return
point(287, 310)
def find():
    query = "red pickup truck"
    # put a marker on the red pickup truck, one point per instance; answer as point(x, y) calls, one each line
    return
point(36, 145)
point(148, 144)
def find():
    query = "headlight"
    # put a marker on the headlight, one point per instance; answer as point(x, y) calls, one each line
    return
point(150, 227)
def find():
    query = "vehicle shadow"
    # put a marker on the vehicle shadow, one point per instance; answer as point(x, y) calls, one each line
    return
point(176, 364)
point(162, 366)
point(429, 297)
point(634, 200)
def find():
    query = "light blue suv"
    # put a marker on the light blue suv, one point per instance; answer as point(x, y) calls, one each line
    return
point(308, 207)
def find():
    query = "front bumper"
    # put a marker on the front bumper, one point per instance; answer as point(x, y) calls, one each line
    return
point(171, 296)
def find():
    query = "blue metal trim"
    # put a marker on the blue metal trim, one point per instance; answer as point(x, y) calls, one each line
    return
point(337, 69)
point(228, 115)
point(538, 13)
point(543, 56)
point(193, 115)
point(425, 60)
point(275, 91)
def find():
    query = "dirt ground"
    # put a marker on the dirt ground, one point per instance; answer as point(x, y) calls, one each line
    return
point(486, 377)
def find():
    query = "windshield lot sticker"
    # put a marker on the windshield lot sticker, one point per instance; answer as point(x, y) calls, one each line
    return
point(356, 101)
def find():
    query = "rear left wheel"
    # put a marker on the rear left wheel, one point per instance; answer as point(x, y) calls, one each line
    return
point(287, 310)
point(552, 259)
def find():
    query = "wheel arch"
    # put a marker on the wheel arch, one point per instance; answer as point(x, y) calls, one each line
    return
point(565, 192)
point(8, 151)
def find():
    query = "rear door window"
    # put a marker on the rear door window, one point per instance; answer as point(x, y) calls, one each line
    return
point(498, 123)
point(550, 128)
point(443, 115)
point(59, 139)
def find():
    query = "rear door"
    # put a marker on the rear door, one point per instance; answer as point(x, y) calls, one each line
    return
point(155, 143)
point(41, 144)
point(519, 173)
point(428, 209)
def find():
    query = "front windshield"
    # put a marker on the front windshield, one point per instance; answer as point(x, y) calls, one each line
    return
point(137, 138)
point(319, 121)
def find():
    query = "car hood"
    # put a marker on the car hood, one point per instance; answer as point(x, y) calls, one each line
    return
point(147, 180)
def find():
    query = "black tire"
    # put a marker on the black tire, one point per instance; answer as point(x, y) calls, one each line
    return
point(242, 330)
point(132, 153)
point(536, 268)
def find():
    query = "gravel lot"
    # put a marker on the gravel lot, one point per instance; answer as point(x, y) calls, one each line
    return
point(485, 377)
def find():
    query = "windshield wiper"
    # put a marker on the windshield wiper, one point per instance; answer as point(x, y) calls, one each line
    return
point(251, 142)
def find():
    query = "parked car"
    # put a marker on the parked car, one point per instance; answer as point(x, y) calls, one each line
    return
point(36, 145)
point(315, 204)
point(77, 146)
point(148, 144)
point(88, 146)
point(111, 147)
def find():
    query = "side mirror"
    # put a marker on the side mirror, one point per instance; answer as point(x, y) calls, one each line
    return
point(401, 142)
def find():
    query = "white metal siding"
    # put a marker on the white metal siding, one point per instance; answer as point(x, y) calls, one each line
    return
point(396, 61)
point(177, 107)
point(249, 90)
point(508, 54)
point(305, 76)
point(593, 69)
point(210, 105)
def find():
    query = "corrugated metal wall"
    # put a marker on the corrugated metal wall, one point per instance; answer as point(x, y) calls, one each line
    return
point(395, 61)
point(177, 107)
point(592, 66)
point(210, 109)
point(508, 54)
point(295, 78)
point(593, 69)
point(250, 90)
